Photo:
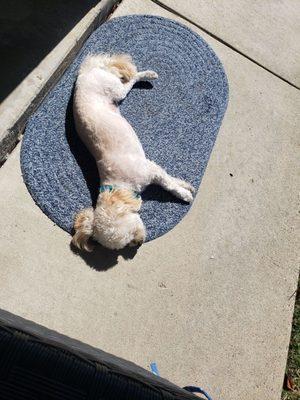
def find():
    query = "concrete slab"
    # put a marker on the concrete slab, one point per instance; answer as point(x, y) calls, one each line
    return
point(211, 302)
point(28, 33)
point(267, 31)
point(22, 102)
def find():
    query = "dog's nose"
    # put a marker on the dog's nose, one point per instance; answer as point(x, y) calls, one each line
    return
point(136, 242)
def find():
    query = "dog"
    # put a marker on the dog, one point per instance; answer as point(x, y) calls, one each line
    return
point(125, 171)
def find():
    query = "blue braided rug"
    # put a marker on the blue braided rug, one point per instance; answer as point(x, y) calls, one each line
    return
point(177, 118)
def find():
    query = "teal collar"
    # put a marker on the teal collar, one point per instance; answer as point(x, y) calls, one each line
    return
point(110, 188)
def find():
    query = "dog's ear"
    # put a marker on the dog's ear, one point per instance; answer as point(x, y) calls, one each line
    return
point(83, 225)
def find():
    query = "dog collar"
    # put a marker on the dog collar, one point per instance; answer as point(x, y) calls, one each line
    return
point(110, 188)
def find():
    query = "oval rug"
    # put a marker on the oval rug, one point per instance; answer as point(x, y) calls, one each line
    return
point(177, 118)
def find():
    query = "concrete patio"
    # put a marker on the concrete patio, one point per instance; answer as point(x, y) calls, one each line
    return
point(211, 301)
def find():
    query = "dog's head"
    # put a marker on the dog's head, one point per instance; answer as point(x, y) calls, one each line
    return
point(115, 223)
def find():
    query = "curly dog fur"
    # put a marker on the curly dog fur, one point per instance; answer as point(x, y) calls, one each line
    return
point(103, 81)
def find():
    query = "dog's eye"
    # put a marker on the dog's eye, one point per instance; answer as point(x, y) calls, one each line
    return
point(123, 79)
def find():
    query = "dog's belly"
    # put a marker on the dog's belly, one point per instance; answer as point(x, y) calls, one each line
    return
point(112, 141)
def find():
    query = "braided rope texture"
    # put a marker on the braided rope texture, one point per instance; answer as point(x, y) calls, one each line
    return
point(177, 118)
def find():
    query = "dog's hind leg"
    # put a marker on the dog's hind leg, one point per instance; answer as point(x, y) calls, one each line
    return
point(179, 188)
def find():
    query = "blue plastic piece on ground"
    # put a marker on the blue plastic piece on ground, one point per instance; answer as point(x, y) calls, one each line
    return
point(192, 389)
point(154, 369)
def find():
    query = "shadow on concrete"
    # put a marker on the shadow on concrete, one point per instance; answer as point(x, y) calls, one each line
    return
point(102, 259)
point(29, 30)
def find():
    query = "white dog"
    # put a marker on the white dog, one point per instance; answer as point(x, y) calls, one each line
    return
point(103, 81)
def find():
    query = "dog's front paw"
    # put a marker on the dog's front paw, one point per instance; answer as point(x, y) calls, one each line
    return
point(150, 75)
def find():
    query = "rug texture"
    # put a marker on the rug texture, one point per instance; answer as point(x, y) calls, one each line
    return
point(177, 118)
